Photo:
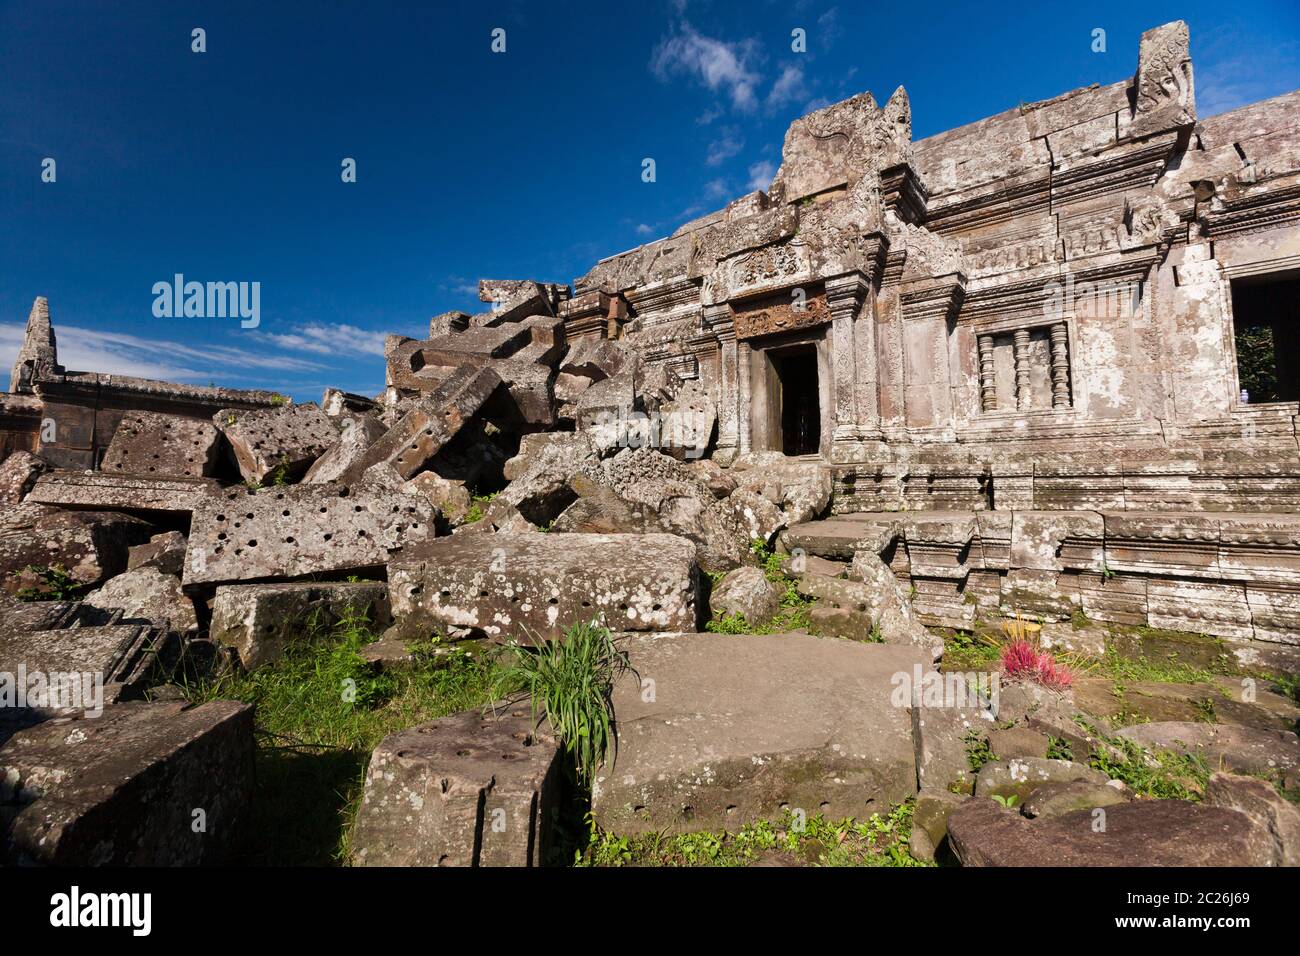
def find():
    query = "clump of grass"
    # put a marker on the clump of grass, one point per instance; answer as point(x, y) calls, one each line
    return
point(880, 840)
point(793, 614)
point(1161, 774)
point(321, 710)
point(50, 583)
point(478, 507)
point(571, 681)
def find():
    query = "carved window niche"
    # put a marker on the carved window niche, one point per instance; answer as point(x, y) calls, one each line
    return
point(1024, 369)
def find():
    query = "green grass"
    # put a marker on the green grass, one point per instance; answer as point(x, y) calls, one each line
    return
point(880, 840)
point(1159, 774)
point(478, 507)
point(53, 583)
point(321, 710)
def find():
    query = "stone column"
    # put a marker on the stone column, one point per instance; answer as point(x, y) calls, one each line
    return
point(988, 383)
point(1023, 398)
point(718, 319)
point(743, 393)
point(1060, 367)
point(844, 297)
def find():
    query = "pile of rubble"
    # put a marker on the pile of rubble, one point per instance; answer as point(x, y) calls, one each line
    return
point(848, 369)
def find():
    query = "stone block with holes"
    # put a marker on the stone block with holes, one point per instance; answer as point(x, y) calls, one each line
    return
point(258, 621)
point(293, 531)
point(533, 587)
point(147, 443)
point(478, 788)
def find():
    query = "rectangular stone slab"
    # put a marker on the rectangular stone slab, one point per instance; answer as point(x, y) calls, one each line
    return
point(478, 788)
point(101, 489)
point(126, 788)
point(259, 620)
point(91, 545)
point(295, 530)
point(533, 587)
point(716, 731)
point(147, 443)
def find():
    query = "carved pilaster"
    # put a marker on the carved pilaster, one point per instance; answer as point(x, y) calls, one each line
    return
point(718, 320)
point(1023, 398)
point(988, 384)
point(844, 297)
point(1060, 367)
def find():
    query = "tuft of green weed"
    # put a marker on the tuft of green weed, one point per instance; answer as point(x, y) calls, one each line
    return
point(53, 583)
point(571, 681)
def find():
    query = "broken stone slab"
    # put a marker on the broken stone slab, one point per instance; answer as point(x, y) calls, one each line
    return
point(258, 621)
point(340, 404)
point(18, 473)
point(1260, 801)
point(276, 444)
point(451, 498)
point(1090, 641)
point(478, 788)
point(106, 490)
point(356, 434)
point(716, 731)
point(747, 592)
point(296, 530)
point(147, 595)
point(1020, 776)
point(929, 838)
point(1055, 799)
point(1141, 833)
point(429, 424)
point(149, 443)
point(90, 545)
point(945, 724)
point(532, 587)
point(799, 564)
point(123, 658)
point(880, 610)
point(127, 788)
point(1224, 746)
point(756, 516)
point(1018, 742)
point(165, 551)
point(1143, 701)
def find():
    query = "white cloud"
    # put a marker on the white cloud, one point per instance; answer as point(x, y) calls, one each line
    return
point(320, 339)
point(720, 66)
point(789, 86)
point(724, 147)
point(760, 174)
point(643, 229)
point(89, 350)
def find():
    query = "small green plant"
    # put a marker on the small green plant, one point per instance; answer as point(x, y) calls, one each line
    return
point(278, 399)
point(1006, 802)
point(477, 508)
point(52, 583)
point(1058, 748)
point(1106, 573)
point(978, 751)
point(571, 681)
point(1078, 619)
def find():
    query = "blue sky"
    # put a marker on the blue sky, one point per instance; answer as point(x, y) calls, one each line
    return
point(225, 165)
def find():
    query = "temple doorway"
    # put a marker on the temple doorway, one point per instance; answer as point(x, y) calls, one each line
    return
point(800, 400)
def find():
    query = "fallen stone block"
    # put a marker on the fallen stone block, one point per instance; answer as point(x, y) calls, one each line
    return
point(287, 532)
point(1021, 776)
point(356, 434)
point(148, 595)
point(89, 545)
point(280, 443)
point(1055, 799)
point(165, 551)
point(1240, 749)
point(473, 789)
point(147, 443)
point(145, 784)
point(451, 498)
point(1258, 800)
point(106, 490)
point(1141, 833)
point(929, 838)
point(1018, 742)
point(716, 731)
point(258, 621)
point(123, 659)
point(532, 587)
point(747, 592)
point(756, 516)
point(18, 473)
point(429, 424)
point(877, 608)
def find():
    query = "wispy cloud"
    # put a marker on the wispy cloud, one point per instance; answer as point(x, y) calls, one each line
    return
point(322, 339)
point(721, 66)
point(725, 146)
point(788, 88)
point(760, 174)
point(116, 353)
point(1231, 71)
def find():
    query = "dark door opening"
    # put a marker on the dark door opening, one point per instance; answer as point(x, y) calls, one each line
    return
point(801, 415)
point(1266, 329)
